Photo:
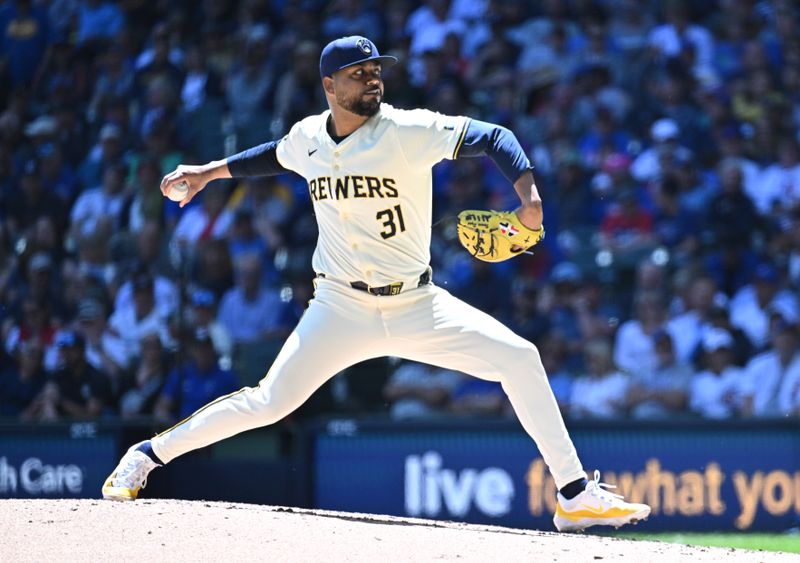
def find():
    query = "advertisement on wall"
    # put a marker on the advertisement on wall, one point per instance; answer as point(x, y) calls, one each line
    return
point(70, 462)
point(693, 478)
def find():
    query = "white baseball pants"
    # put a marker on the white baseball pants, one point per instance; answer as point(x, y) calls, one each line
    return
point(343, 326)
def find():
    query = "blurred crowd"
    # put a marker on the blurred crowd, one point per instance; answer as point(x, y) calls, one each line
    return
point(664, 137)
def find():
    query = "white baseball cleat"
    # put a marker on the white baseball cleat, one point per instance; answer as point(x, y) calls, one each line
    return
point(595, 506)
point(130, 475)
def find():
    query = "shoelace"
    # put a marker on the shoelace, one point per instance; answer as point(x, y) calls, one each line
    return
point(134, 474)
point(598, 489)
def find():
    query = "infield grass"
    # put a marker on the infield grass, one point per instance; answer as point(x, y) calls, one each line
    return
point(767, 542)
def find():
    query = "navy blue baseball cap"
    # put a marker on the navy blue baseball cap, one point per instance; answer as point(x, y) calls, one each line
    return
point(348, 51)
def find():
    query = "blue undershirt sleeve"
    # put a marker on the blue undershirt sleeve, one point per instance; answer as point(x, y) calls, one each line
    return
point(496, 142)
point(257, 161)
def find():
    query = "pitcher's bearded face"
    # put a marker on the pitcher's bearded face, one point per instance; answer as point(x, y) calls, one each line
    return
point(359, 88)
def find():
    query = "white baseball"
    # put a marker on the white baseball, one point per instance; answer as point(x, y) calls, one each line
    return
point(178, 191)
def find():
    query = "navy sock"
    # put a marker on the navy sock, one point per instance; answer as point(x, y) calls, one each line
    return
point(147, 449)
point(571, 490)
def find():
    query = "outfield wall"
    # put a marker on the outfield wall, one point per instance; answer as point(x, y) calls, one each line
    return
point(696, 477)
point(710, 476)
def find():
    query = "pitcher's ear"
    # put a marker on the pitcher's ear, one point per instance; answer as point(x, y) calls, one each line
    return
point(327, 84)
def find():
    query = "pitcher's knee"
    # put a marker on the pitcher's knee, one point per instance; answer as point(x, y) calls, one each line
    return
point(525, 364)
point(265, 406)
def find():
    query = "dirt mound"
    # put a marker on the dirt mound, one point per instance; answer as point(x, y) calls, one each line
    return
point(173, 530)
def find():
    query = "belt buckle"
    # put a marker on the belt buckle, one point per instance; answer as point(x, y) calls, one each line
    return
point(391, 289)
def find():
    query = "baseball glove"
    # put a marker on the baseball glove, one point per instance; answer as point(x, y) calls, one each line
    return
point(494, 236)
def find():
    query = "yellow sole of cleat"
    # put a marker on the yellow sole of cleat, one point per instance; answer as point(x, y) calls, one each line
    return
point(580, 525)
point(118, 499)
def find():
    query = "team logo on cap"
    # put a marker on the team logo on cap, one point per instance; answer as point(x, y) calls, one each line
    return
point(364, 46)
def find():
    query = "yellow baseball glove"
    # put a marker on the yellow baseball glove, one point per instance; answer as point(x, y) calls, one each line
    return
point(494, 236)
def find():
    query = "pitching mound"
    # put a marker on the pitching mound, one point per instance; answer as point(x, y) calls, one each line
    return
point(173, 530)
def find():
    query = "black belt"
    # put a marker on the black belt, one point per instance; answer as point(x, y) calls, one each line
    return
point(391, 289)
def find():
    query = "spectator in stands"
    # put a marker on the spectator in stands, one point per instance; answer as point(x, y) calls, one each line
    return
point(22, 381)
point(165, 292)
point(751, 305)
point(768, 372)
point(350, 17)
point(101, 208)
point(153, 254)
point(57, 175)
point(195, 383)
point(200, 82)
point(605, 139)
point(478, 288)
point(209, 220)
point(475, 397)
point(250, 87)
point(600, 392)
point(114, 78)
point(109, 150)
point(627, 229)
point(566, 279)
point(420, 391)
point(147, 203)
point(157, 66)
point(789, 393)
point(132, 320)
point(675, 225)
point(687, 327)
point(296, 92)
point(204, 315)
point(94, 256)
point(731, 214)
point(648, 166)
point(271, 202)
point(252, 311)
point(598, 316)
point(91, 325)
point(634, 345)
point(525, 316)
point(731, 147)
point(779, 186)
point(30, 201)
point(213, 267)
point(716, 392)
point(429, 25)
point(661, 392)
point(98, 21)
point(140, 390)
point(43, 238)
point(43, 285)
point(678, 34)
point(77, 390)
point(553, 351)
point(244, 240)
point(731, 263)
point(26, 34)
point(34, 324)
point(719, 317)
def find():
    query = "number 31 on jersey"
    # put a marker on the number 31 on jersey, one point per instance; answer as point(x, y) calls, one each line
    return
point(393, 219)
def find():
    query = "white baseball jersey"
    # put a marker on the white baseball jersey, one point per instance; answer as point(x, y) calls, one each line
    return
point(372, 192)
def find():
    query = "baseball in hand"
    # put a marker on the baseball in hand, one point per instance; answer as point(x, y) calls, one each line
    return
point(178, 191)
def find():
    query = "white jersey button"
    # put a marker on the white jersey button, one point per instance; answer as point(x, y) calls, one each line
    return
point(336, 167)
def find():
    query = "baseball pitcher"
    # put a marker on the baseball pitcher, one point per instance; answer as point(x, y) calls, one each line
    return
point(368, 168)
